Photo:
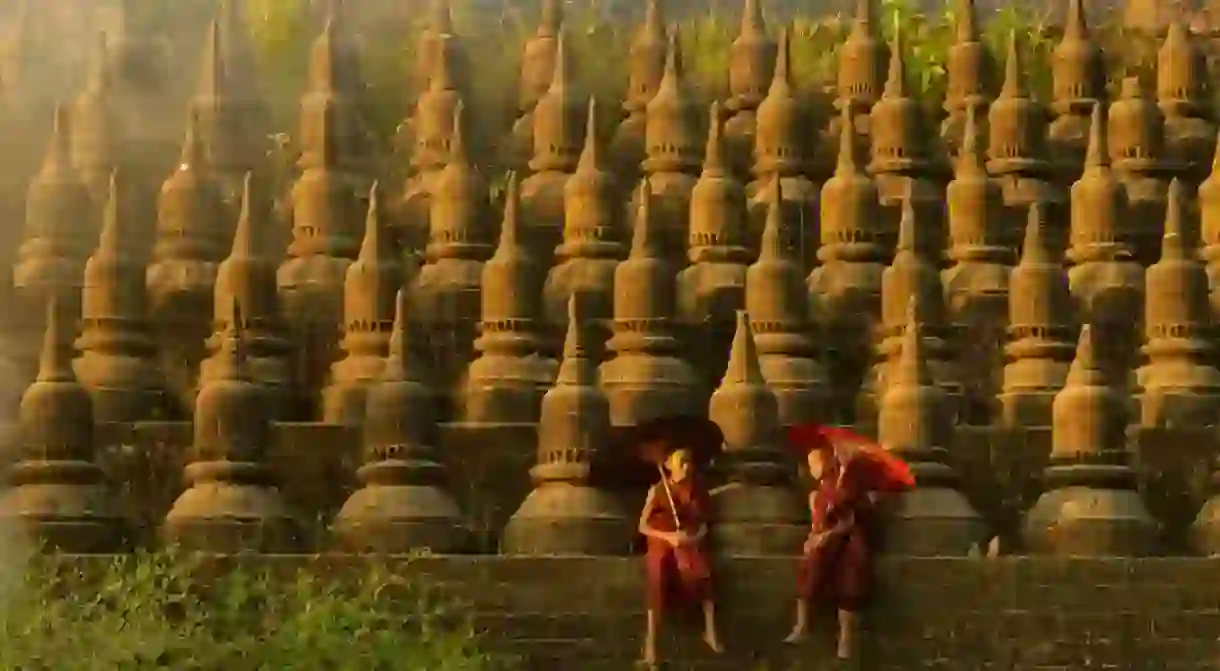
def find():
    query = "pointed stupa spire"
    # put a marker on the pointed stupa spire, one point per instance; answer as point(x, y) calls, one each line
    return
point(322, 73)
point(58, 157)
point(646, 59)
point(593, 216)
point(550, 19)
point(100, 76)
point(576, 369)
point(848, 162)
point(896, 79)
point(113, 236)
point(442, 77)
point(908, 242)
point(400, 360)
point(865, 18)
point(376, 245)
point(55, 361)
point(231, 487)
point(1097, 156)
point(654, 18)
point(561, 77)
point(555, 130)
point(911, 368)
point(1216, 158)
point(1086, 367)
point(368, 294)
point(774, 243)
point(970, 69)
point(743, 365)
point(540, 59)
point(403, 506)
point(971, 158)
point(781, 78)
point(591, 153)
point(211, 84)
point(248, 276)
point(781, 120)
point(510, 308)
point(56, 495)
point(1177, 38)
point(1173, 246)
point(751, 63)
point(897, 134)
point(862, 60)
point(752, 22)
point(438, 45)
point(1014, 74)
point(440, 18)
point(1035, 249)
point(671, 80)
point(715, 162)
point(458, 152)
point(1077, 26)
point(246, 237)
point(117, 353)
point(975, 203)
point(1099, 200)
point(1181, 74)
point(237, 345)
point(967, 23)
point(192, 155)
point(645, 235)
point(510, 236)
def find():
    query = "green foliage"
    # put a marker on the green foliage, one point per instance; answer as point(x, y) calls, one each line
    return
point(283, 29)
point(149, 611)
point(493, 41)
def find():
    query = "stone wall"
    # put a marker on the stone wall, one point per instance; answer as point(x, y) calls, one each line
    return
point(489, 472)
point(1010, 614)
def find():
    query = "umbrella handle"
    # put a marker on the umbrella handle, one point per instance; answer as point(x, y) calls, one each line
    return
point(670, 496)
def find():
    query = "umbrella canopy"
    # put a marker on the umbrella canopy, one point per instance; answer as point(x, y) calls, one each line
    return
point(881, 469)
point(654, 440)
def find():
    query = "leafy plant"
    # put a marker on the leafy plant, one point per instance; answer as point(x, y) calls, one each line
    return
point(168, 610)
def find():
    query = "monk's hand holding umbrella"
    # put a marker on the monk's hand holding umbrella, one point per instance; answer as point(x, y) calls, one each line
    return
point(853, 473)
point(675, 519)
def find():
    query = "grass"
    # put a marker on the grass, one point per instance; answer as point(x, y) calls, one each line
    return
point(158, 610)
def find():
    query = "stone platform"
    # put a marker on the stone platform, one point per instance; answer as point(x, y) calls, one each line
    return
point(1010, 614)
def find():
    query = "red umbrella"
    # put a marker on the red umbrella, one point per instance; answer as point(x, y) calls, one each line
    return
point(882, 469)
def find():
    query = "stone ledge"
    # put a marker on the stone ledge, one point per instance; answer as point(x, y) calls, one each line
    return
point(1011, 613)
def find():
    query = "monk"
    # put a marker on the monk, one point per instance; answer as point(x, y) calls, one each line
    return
point(674, 522)
point(836, 569)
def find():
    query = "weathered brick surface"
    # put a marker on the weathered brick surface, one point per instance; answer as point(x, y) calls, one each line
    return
point(1009, 614)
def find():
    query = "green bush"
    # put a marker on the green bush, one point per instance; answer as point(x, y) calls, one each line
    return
point(283, 30)
point(148, 611)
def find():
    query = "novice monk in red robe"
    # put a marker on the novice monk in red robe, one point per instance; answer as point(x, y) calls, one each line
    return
point(674, 522)
point(836, 568)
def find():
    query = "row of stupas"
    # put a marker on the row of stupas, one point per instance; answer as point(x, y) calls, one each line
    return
point(1073, 291)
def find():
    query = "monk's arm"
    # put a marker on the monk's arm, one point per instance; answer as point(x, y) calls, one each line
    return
point(844, 523)
point(645, 529)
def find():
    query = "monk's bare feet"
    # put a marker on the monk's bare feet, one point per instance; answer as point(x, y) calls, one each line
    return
point(713, 642)
point(798, 635)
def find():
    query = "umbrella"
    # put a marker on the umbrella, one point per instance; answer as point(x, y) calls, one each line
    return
point(884, 471)
point(654, 440)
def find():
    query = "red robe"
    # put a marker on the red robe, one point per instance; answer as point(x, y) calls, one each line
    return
point(678, 576)
point(839, 573)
